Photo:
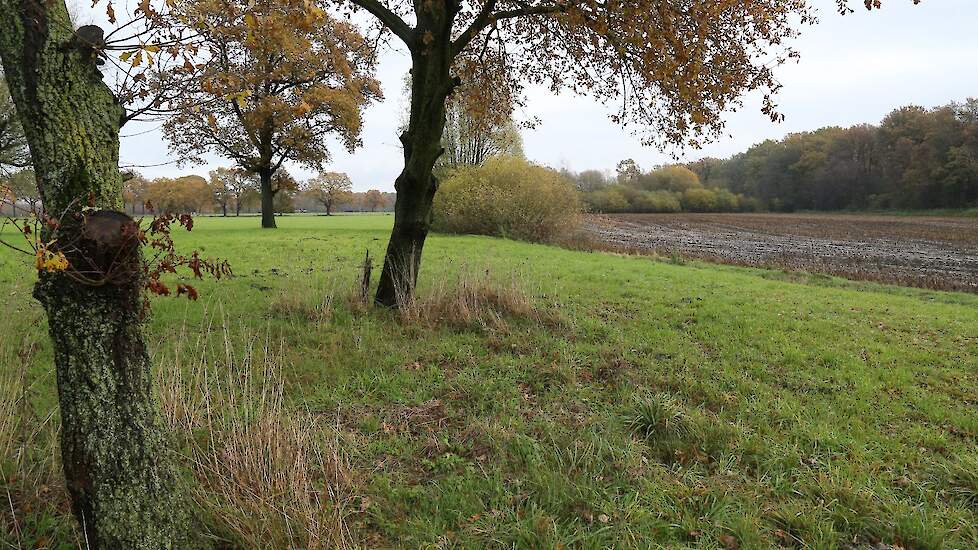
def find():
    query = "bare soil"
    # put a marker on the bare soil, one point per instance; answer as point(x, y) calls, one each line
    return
point(931, 252)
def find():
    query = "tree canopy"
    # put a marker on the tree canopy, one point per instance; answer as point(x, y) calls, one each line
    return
point(329, 189)
point(275, 80)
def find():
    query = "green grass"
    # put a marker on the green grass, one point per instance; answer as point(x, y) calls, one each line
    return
point(671, 405)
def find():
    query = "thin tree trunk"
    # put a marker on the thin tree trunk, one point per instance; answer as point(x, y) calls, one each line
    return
point(431, 83)
point(267, 200)
point(113, 446)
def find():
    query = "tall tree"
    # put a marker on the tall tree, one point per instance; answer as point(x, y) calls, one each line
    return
point(113, 448)
point(284, 189)
point(373, 200)
point(678, 64)
point(186, 194)
point(23, 186)
point(230, 188)
point(134, 191)
point(330, 189)
point(479, 115)
point(276, 79)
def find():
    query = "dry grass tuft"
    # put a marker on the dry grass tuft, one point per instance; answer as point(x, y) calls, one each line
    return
point(265, 475)
point(293, 303)
point(474, 300)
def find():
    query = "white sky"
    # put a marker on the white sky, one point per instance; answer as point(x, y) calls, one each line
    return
point(853, 69)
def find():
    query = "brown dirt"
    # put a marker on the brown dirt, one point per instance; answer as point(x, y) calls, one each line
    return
point(932, 252)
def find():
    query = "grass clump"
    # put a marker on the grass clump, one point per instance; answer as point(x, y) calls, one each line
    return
point(263, 474)
point(474, 300)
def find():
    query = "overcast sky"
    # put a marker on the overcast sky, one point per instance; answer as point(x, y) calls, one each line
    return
point(853, 69)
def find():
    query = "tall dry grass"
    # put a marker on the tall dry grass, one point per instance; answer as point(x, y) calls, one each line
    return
point(263, 474)
point(476, 299)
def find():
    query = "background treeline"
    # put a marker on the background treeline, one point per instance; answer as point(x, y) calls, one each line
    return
point(230, 192)
point(916, 158)
point(672, 188)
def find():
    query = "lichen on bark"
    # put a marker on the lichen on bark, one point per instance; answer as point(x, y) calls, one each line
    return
point(115, 456)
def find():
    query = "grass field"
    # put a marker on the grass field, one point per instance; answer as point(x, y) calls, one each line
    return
point(591, 400)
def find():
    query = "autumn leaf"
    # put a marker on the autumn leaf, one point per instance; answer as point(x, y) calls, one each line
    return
point(239, 97)
point(109, 12)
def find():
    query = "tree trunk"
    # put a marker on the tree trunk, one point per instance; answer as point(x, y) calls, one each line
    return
point(113, 447)
point(224, 209)
point(431, 83)
point(267, 199)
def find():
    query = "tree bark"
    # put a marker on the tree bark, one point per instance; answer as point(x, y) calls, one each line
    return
point(431, 84)
point(267, 199)
point(113, 447)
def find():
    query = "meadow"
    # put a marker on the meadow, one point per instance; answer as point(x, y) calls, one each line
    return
point(533, 397)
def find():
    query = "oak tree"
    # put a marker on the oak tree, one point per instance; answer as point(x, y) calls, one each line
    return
point(113, 448)
point(274, 80)
point(186, 194)
point(22, 184)
point(373, 200)
point(329, 189)
point(230, 188)
point(673, 66)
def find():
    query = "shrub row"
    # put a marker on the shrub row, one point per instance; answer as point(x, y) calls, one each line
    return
point(623, 198)
point(508, 197)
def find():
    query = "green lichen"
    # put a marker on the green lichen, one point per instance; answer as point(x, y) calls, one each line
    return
point(115, 457)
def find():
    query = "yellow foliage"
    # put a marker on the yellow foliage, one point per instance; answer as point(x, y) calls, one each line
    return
point(45, 260)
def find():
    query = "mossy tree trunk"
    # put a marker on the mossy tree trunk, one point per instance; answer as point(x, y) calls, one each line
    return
point(113, 446)
point(431, 84)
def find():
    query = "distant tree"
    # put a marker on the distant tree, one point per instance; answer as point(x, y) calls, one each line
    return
point(329, 189)
point(607, 200)
point(670, 178)
point(628, 172)
point(230, 187)
point(917, 158)
point(186, 194)
point(590, 180)
point(13, 144)
point(479, 115)
point(373, 200)
point(278, 78)
point(134, 191)
point(284, 189)
point(698, 199)
point(22, 184)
